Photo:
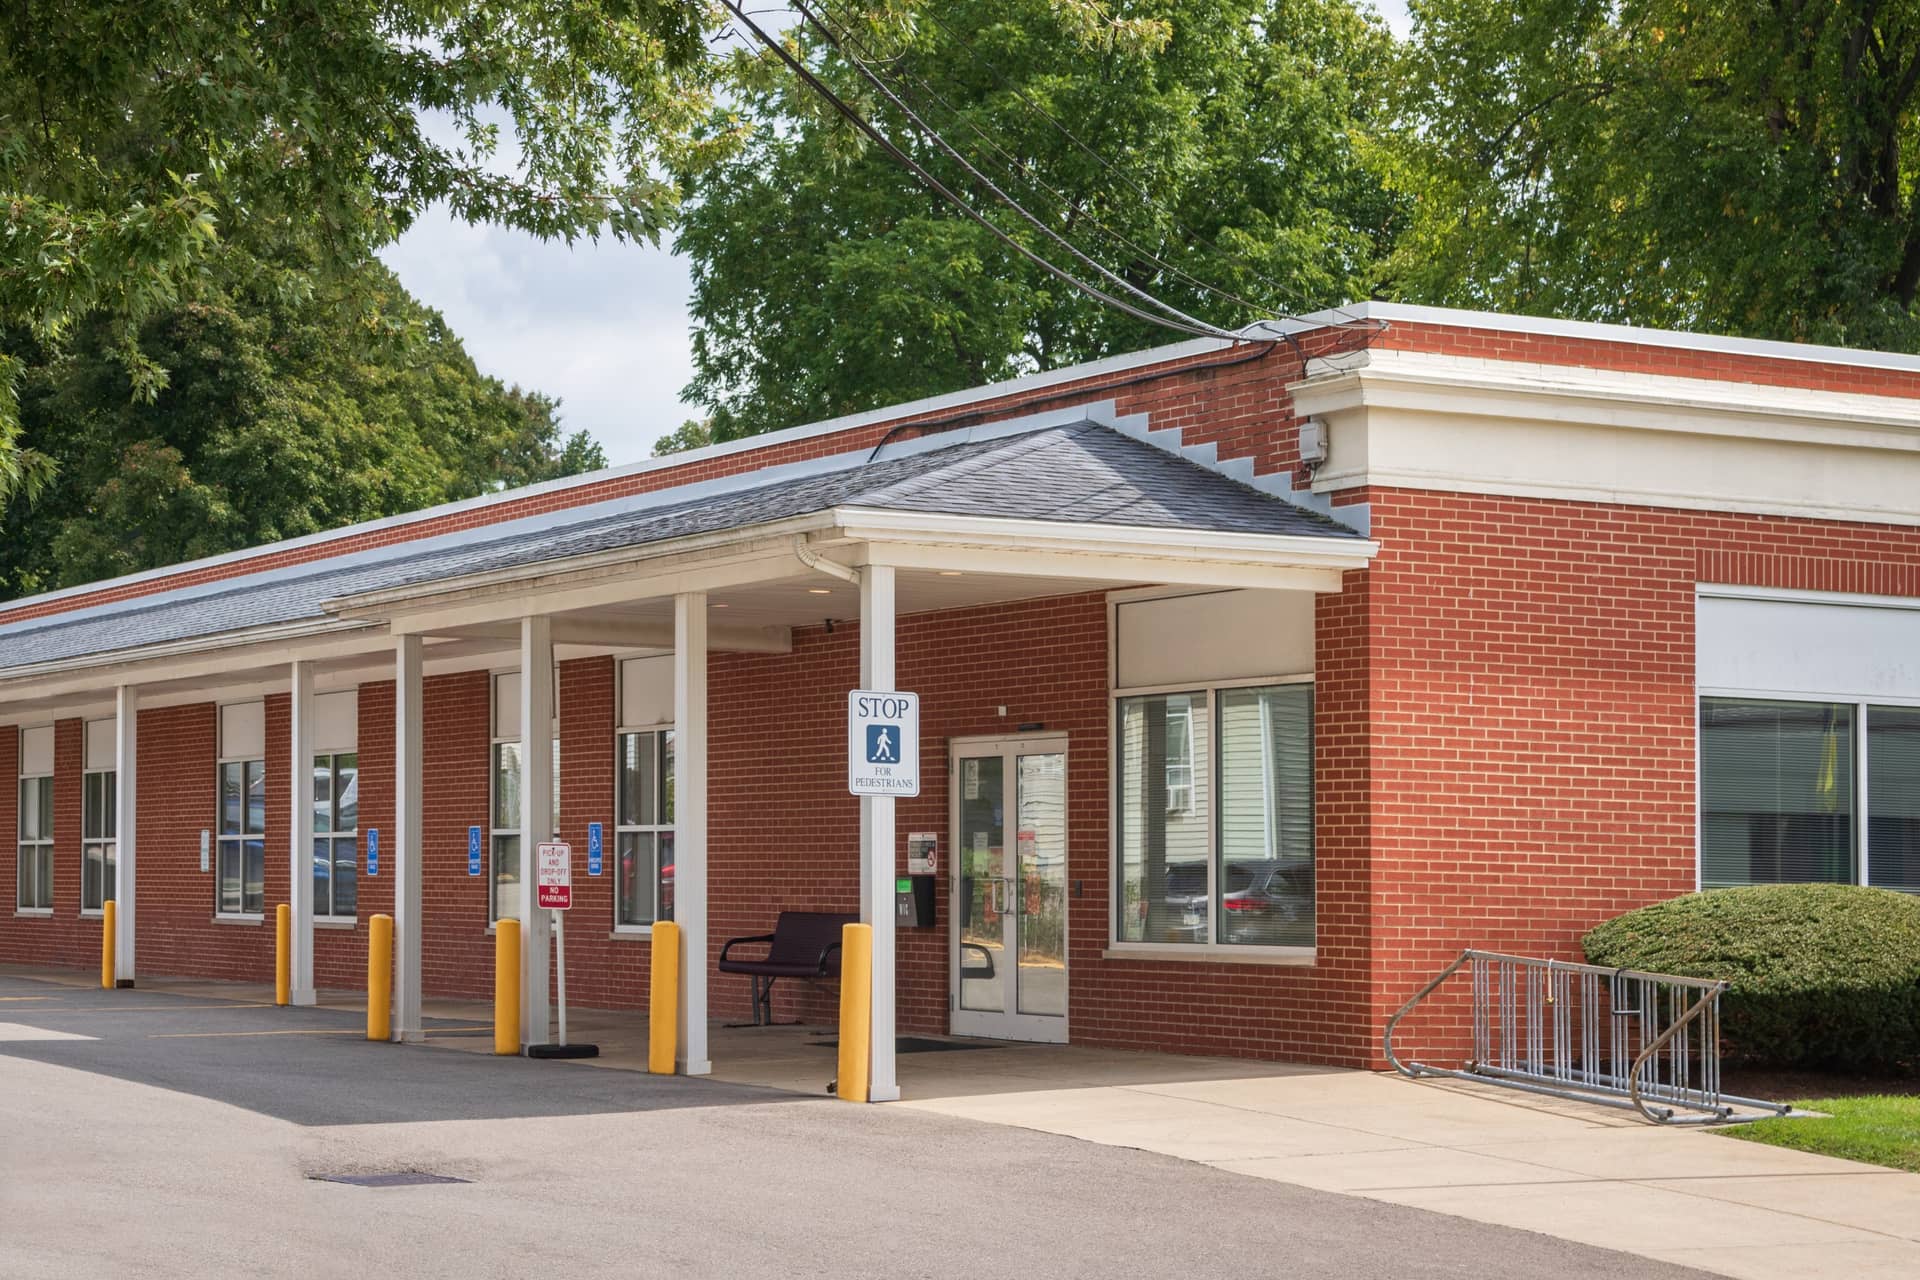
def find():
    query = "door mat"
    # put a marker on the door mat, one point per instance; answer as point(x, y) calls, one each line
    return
point(915, 1044)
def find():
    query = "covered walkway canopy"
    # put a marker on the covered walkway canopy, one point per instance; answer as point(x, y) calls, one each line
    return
point(1044, 506)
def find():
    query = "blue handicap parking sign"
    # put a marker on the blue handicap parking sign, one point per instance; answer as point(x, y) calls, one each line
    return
point(473, 851)
point(373, 851)
point(593, 848)
point(883, 744)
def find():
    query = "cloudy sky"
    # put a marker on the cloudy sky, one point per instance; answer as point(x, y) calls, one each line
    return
point(602, 326)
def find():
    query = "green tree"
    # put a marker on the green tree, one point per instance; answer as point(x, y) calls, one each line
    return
point(1719, 164)
point(138, 139)
point(694, 433)
point(1215, 136)
point(282, 418)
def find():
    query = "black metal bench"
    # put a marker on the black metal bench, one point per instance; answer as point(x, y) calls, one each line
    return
point(803, 944)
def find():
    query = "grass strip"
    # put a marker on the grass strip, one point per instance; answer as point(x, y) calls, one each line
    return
point(1877, 1129)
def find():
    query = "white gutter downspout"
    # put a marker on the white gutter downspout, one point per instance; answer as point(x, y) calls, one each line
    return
point(833, 568)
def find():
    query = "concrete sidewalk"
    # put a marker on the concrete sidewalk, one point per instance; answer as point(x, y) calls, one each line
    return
point(1581, 1173)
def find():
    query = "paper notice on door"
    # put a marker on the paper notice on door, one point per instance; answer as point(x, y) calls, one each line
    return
point(980, 842)
point(970, 779)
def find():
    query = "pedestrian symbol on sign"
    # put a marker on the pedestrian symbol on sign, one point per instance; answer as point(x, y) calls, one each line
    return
point(880, 744)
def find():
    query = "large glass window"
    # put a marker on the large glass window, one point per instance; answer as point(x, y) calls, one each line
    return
point(34, 852)
point(1776, 792)
point(1264, 884)
point(1215, 822)
point(99, 839)
point(336, 829)
point(1893, 797)
point(241, 859)
point(505, 845)
point(1780, 793)
point(643, 869)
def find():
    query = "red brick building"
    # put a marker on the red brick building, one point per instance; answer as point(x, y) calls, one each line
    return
point(1255, 681)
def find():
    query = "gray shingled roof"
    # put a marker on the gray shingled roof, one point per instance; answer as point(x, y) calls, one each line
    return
point(1083, 474)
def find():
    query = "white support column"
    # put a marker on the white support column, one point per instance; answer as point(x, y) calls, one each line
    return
point(536, 821)
point(127, 813)
point(300, 830)
point(877, 835)
point(690, 823)
point(408, 795)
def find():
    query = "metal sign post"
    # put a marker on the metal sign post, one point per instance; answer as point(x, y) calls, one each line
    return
point(553, 887)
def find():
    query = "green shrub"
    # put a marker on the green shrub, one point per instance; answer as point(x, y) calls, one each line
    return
point(1823, 975)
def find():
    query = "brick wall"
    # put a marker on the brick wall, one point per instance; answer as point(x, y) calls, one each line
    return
point(65, 937)
point(178, 799)
point(1533, 710)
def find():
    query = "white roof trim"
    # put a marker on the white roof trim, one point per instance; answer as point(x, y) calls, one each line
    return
point(848, 422)
point(1353, 313)
point(1591, 331)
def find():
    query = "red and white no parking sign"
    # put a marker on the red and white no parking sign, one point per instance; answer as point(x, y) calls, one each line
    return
point(553, 871)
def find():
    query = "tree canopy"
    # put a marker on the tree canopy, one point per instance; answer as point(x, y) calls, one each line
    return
point(1747, 168)
point(282, 418)
point(138, 141)
point(1176, 141)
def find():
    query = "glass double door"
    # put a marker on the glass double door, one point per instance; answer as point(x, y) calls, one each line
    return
point(1009, 878)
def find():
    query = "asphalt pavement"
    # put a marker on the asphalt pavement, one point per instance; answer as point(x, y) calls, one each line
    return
point(180, 1136)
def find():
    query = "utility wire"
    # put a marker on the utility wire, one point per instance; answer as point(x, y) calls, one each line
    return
point(799, 69)
point(1000, 78)
point(933, 135)
point(1068, 204)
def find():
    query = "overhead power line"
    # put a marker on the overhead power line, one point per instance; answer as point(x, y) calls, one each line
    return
point(1173, 319)
point(934, 136)
point(1035, 108)
point(1068, 204)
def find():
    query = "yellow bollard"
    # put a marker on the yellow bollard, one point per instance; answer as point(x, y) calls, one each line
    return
point(506, 987)
point(856, 1010)
point(109, 914)
point(282, 953)
point(663, 999)
point(380, 978)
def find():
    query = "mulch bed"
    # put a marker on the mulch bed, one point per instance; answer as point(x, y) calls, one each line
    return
point(1788, 1085)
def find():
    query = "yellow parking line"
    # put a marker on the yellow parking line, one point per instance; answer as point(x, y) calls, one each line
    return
point(11, 999)
point(152, 1008)
point(291, 1031)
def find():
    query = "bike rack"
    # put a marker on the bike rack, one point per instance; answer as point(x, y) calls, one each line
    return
point(1647, 1042)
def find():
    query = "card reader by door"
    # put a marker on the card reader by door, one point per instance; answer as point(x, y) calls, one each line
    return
point(913, 902)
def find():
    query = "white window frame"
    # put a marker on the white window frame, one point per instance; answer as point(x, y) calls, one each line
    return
point(1180, 799)
point(660, 734)
point(41, 846)
point(494, 743)
point(238, 839)
point(1862, 825)
point(1211, 950)
point(330, 916)
point(107, 846)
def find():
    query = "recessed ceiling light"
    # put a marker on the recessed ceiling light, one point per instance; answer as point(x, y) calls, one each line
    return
point(949, 573)
point(718, 604)
point(819, 591)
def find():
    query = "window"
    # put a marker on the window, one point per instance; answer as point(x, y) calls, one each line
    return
point(643, 865)
point(1780, 793)
point(1893, 798)
point(34, 868)
point(336, 822)
point(240, 863)
point(1180, 758)
point(99, 836)
point(504, 849)
point(1215, 822)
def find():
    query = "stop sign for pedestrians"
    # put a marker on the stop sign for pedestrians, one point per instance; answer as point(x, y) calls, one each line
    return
point(553, 870)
